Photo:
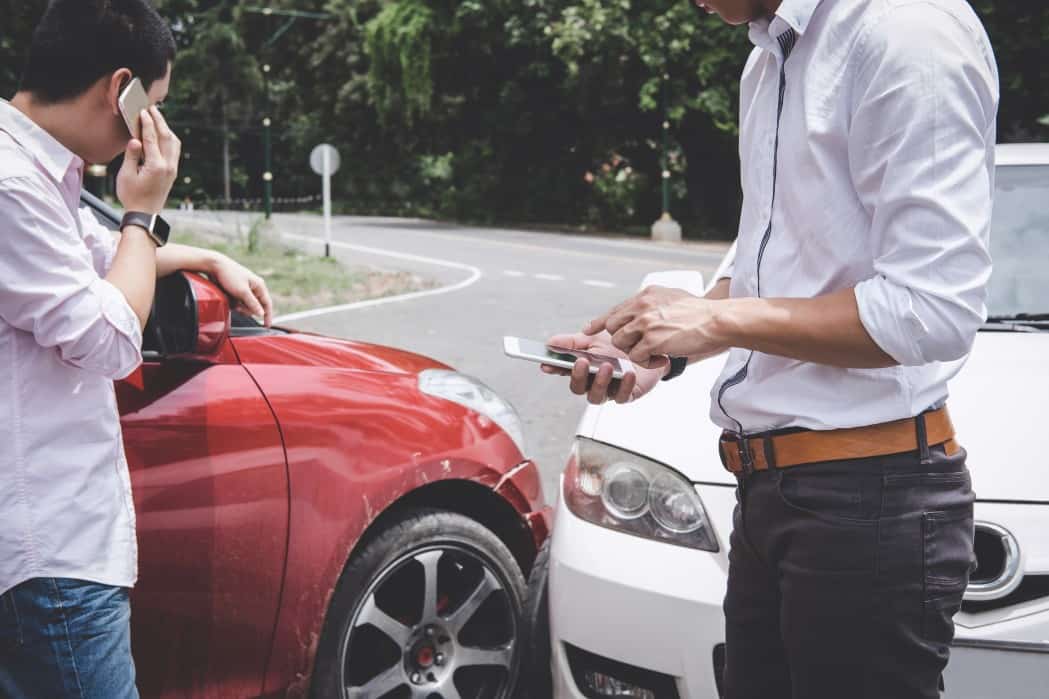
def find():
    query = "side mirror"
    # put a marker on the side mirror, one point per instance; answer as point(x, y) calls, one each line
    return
point(213, 315)
point(190, 319)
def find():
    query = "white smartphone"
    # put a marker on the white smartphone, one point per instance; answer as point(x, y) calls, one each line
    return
point(133, 99)
point(564, 358)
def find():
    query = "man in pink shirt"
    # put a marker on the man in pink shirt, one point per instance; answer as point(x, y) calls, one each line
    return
point(73, 304)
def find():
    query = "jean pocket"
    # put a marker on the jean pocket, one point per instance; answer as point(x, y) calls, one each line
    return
point(840, 499)
point(947, 552)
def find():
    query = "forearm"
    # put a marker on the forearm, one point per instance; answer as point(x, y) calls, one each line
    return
point(133, 271)
point(825, 330)
point(174, 257)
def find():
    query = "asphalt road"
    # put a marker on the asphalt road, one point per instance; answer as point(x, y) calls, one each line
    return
point(491, 283)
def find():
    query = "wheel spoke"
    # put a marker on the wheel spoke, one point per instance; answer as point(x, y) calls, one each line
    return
point(371, 614)
point(467, 657)
point(449, 690)
point(429, 562)
point(386, 681)
point(459, 618)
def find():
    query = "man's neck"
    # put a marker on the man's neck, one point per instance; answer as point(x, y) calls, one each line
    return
point(59, 120)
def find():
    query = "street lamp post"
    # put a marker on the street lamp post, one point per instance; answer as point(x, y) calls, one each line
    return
point(292, 16)
point(666, 228)
point(267, 175)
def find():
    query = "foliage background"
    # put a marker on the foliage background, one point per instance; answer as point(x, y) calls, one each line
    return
point(511, 111)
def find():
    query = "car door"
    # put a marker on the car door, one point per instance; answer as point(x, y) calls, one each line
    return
point(209, 481)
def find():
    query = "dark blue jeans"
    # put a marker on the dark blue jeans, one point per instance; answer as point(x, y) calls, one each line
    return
point(844, 578)
point(62, 638)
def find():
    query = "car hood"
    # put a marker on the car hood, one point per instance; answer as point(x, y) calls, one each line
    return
point(997, 403)
point(305, 349)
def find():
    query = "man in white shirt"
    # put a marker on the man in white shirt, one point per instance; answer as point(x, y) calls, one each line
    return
point(867, 133)
point(73, 304)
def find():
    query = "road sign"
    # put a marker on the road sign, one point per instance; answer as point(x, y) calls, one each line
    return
point(319, 164)
point(324, 160)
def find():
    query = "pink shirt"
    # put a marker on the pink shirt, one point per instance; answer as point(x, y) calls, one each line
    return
point(65, 335)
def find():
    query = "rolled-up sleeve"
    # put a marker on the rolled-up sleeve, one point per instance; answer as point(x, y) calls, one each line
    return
point(921, 148)
point(49, 286)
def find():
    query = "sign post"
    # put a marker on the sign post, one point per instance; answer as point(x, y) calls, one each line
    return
point(324, 160)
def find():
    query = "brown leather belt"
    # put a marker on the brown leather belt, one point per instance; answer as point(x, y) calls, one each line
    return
point(760, 453)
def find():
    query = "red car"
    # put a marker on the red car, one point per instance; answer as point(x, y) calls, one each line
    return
point(319, 517)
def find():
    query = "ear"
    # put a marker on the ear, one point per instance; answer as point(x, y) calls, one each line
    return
point(114, 86)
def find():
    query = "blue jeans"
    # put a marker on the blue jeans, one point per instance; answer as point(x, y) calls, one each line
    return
point(62, 638)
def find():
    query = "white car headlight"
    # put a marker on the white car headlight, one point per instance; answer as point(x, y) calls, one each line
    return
point(471, 393)
point(614, 488)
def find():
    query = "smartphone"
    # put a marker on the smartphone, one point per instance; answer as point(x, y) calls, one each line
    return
point(562, 357)
point(133, 99)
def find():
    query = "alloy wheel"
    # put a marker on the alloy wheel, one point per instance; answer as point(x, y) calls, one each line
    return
point(436, 624)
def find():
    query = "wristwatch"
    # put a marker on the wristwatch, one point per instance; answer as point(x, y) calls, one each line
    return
point(677, 367)
point(158, 228)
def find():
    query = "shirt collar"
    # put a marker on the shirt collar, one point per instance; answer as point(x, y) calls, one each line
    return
point(792, 14)
point(55, 158)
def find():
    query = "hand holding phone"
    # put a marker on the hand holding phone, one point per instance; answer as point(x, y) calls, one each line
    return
point(597, 382)
point(150, 165)
point(564, 357)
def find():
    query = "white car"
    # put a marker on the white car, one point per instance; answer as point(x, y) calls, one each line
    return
point(638, 559)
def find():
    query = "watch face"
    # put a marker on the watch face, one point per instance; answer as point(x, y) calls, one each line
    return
point(157, 227)
point(161, 229)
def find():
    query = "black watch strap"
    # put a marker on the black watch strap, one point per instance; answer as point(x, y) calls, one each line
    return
point(677, 367)
point(157, 227)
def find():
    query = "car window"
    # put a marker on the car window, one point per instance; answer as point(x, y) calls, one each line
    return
point(1020, 241)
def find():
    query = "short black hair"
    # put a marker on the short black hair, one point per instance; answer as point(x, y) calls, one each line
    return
point(79, 41)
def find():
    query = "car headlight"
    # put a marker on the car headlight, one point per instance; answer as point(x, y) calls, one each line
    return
point(614, 488)
point(471, 393)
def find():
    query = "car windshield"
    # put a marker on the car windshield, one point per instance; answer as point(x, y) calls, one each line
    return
point(1020, 242)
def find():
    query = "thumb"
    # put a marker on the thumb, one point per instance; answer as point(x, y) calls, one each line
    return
point(133, 153)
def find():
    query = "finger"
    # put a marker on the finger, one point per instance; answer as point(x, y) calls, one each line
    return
point(149, 140)
point(554, 370)
point(626, 387)
point(580, 377)
point(595, 326)
point(645, 354)
point(622, 317)
point(247, 298)
point(258, 287)
point(570, 341)
point(598, 393)
point(170, 146)
point(627, 337)
point(133, 153)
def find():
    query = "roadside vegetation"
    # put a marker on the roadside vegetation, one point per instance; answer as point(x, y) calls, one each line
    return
point(300, 280)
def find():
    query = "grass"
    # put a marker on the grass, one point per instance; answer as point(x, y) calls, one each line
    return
point(297, 280)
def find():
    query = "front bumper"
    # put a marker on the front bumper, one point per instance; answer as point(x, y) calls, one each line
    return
point(652, 605)
point(658, 608)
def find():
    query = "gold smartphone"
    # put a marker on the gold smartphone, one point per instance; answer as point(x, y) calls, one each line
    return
point(133, 99)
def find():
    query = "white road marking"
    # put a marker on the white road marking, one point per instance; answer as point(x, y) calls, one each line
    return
point(550, 277)
point(475, 274)
point(600, 284)
point(513, 273)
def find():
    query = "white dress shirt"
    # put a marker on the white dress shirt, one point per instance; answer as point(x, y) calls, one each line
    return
point(65, 335)
point(882, 181)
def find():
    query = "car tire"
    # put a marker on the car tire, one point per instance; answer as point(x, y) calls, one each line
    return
point(536, 679)
point(383, 557)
